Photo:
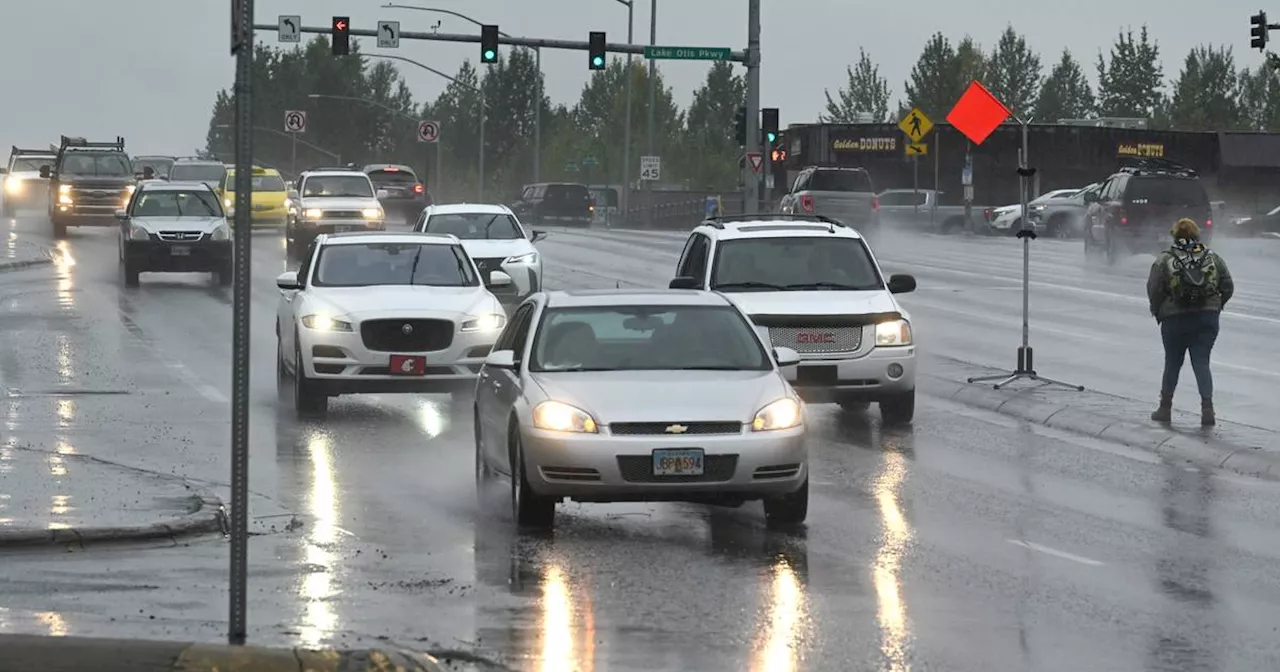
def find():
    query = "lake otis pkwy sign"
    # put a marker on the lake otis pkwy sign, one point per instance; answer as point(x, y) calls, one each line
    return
point(687, 53)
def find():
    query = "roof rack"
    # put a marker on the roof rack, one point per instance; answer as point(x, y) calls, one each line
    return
point(719, 221)
point(18, 151)
point(1154, 165)
point(348, 167)
point(81, 143)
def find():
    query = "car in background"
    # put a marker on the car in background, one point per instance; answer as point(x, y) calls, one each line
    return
point(1063, 216)
point(555, 204)
point(88, 182)
point(23, 185)
point(1266, 225)
point(158, 165)
point(812, 284)
point(406, 195)
point(844, 194)
point(269, 198)
point(639, 395)
point(382, 313)
point(495, 239)
point(208, 171)
point(607, 201)
point(1007, 219)
point(332, 200)
point(1136, 207)
point(174, 227)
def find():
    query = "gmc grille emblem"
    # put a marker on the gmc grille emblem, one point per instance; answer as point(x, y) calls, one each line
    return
point(808, 337)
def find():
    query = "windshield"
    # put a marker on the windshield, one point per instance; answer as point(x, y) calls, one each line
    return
point(605, 198)
point(260, 182)
point(638, 338)
point(1166, 191)
point(794, 264)
point(85, 163)
point(476, 226)
point(177, 204)
point(337, 186)
point(31, 164)
point(393, 177)
point(840, 180)
point(361, 265)
point(197, 173)
point(1082, 192)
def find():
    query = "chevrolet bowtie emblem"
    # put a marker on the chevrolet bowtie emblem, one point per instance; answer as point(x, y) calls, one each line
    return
point(676, 429)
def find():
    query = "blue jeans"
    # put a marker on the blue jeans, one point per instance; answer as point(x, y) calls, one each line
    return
point(1194, 333)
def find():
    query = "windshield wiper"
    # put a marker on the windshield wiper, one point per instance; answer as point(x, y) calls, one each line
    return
point(830, 285)
point(748, 285)
point(490, 226)
point(707, 368)
point(413, 270)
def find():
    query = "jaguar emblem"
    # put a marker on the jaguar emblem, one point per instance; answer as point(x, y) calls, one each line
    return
point(676, 429)
point(406, 329)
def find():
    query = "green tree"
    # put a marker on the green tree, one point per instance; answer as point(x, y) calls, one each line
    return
point(458, 111)
point(1013, 73)
point(1260, 99)
point(864, 97)
point(1206, 95)
point(711, 151)
point(934, 84)
point(511, 88)
point(599, 119)
point(971, 64)
point(1065, 93)
point(1131, 84)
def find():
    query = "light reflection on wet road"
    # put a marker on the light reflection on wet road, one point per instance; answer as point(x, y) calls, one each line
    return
point(968, 542)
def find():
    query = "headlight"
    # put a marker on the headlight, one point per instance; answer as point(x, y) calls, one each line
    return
point(128, 191)
point(138, 233)
point(372, 213)
point(781, 414)
point(64, 198)
point(221, 233)
point(12, 185)
point(897, 332)
point(325, 323)
point(64, 188)
point(313, 213)
point(558, 417)
point(529, 258)
point(228, 203)
point(490, 322)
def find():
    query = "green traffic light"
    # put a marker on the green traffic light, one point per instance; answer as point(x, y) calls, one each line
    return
point(489, 55)
point(773, 137)
point(598, 61)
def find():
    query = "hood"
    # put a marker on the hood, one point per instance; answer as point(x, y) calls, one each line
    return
point(1007, 208)
point(815, 303)
point(328, 203)
point(97, 181)
point(403, 301)
point(492, 249)
point(154, 224)
point(26, 175)
point(685, 396)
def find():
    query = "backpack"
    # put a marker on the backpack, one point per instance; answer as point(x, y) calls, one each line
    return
point(1193, 278)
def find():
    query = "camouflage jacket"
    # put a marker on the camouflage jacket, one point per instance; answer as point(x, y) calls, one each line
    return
point(1159, 289)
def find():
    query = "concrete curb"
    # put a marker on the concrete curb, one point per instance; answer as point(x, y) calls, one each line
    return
point(208, 517)
point(23, 653)
point(19, 264)
point(1201, 450)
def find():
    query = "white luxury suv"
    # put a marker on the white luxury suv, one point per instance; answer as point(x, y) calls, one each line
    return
point(495, 239)
point(384, 312)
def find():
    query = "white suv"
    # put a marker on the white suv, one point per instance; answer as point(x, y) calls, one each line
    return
point(814, 286)
point(333, 201)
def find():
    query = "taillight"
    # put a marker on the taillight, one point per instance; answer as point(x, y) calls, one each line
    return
point(987, 214)
point(806, 203)
point(1208, 223)
point(875, 204)
point(418, 188)
point(1124, 217)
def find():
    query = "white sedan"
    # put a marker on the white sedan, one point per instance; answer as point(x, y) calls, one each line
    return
point(495, 239)
point(383, 312)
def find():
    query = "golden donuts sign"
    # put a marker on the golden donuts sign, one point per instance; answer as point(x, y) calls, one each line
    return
point(885, 144)
point(1146, 150)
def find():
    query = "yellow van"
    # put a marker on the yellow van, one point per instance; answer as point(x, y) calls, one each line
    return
point(269, 198)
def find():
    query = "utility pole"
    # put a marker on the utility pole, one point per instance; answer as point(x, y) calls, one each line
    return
point(626, 150)
point(749, 179)
point(653, 86)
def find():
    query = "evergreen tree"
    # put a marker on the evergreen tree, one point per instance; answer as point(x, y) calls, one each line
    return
point(1065, 93)
point(865, 95)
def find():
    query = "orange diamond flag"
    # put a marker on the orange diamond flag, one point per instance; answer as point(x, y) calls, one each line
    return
point(977, 113)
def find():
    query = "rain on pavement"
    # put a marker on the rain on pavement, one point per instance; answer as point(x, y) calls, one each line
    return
point(969, 541)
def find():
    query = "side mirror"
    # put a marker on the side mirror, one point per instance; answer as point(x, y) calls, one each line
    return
point(1091, 197)
point(288, 280)
point(501, 359)
point(785, 356)
point(45, 172)
point(902, 284)
point(381, 194)
point(4, 171)
point(499, 279)
point(122, 215)
point(538, 235)
point(148, 173)
point(685, 282)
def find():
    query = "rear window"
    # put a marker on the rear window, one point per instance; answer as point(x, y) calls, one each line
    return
point(567, 192)
point(605, 198)
point(381, 177)
point(1166, 191)
point(840, 180)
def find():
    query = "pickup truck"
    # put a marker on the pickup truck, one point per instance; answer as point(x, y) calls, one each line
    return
point(844, 194)
point(919, 209)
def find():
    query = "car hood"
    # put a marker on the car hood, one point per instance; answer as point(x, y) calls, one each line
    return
point(816, 303)
point(26, 175)
point(328, 203)
point(669, 396)
point(404, 300)
point(154, 224)
point(97, 182)
point(492, 249)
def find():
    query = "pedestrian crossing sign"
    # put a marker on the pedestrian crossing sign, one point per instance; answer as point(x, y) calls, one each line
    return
point(916, 125)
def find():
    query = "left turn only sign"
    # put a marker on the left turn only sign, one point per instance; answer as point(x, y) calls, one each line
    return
point(295, 121)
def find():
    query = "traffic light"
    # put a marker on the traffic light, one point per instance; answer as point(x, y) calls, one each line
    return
point(596, 43)
point(1259, 31)
point(340, 36)
point(488, 44)
point(740, 126)
point(769, 125)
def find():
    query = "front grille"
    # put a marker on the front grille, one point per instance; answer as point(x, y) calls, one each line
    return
point(488, 264)
point(423, 335)
point(83, 196)
point(386, 371)
point(817, 340)
point(660, 428)
point(180, 236)
point(341, 214)
point(639, 469)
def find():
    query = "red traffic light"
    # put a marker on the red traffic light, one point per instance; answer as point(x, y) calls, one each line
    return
point(339, 24)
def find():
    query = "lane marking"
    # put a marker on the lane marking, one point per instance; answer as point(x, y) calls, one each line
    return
point(186, 375)
point(1056, 553)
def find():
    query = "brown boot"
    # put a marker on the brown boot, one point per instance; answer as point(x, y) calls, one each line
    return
point(1164, 412)
point(1207, 418)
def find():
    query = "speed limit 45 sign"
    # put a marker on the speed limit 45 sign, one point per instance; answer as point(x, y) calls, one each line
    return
point(651, 168)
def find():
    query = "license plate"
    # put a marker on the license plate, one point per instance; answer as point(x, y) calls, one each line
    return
point(407, 365)
point(346, 227)
point(180, 250)
point(677, 462)
point(816, 375)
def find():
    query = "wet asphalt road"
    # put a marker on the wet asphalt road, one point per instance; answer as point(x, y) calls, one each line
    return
point(968, 542)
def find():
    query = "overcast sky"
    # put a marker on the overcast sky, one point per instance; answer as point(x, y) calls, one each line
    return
point(149, 69)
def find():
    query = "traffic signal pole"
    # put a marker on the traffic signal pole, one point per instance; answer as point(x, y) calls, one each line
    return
point(750, 181)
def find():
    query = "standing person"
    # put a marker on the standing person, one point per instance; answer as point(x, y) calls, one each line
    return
point(1188, 287)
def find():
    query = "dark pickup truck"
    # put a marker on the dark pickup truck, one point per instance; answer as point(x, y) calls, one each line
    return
point(88, 182)
point(555, 204)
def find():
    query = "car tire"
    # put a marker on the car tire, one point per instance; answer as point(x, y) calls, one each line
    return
point(309, 401)
point(59, 229)
point(788, 510)
point(529, 509)
point(484, 474)
point(283, 383)
point(852, 405)
point(131, 274)
point(898, 409)
point(1111, 250)
point(225, 276)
